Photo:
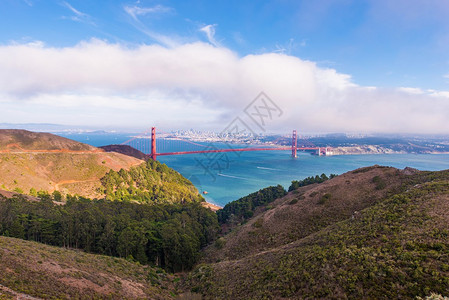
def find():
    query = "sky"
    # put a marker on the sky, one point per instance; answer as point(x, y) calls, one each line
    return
point(360, 66)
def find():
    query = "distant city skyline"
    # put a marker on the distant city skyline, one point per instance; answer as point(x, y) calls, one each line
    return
point(330, 65)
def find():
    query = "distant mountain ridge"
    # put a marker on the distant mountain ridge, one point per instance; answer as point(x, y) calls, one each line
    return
point(125, 149)
point(14, 140)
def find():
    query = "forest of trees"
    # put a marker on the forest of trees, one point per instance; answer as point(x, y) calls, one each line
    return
point(309, 180)
point(243, 208)
point(166, 235)
point(151, 182)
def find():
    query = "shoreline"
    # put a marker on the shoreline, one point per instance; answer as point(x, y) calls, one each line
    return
point(387, 153)
point(211, 206)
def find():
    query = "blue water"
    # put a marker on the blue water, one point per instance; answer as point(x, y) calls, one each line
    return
point(229, 176)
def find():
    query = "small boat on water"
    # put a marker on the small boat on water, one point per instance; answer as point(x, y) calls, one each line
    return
point(205, 192)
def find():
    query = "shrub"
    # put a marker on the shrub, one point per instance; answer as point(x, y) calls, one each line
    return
point(219, 243)
point(294, 201)
point(33, 192)
point(379, 182)
point(313, 194)
point(325, 198)
point(258, 223)
point(18, 190)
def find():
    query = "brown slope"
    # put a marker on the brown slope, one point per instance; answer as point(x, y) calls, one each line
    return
point(70, 173)
point(306, 210)
point(48, 272)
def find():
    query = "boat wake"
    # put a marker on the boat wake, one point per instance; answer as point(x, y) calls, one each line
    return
point(231, 176)
point(271, 169)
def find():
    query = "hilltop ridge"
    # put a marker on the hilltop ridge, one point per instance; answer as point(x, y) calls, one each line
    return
point(307, 210)
point(375, 232)
point(16, 140)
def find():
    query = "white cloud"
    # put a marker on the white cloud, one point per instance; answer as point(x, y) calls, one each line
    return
point(209, 30)
point(199, 85)
point(429, 92)
point(411, 90)
point(102, 109)
point(439, 94)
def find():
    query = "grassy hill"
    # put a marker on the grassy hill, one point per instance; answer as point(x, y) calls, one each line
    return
point(307, 210)
point(50, 272)
point(70, 173)
point(32, 161)
point(372, 233)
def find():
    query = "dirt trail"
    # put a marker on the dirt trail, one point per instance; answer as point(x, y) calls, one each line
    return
point(73, 181)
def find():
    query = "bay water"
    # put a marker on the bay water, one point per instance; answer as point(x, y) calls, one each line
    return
point(224, 177)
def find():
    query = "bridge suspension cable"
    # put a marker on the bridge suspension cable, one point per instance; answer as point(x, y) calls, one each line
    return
point(146, 143)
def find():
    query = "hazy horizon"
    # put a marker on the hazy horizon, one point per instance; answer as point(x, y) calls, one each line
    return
point(75, 129)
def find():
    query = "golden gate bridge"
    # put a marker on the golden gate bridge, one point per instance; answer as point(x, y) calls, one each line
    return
point(146, 143)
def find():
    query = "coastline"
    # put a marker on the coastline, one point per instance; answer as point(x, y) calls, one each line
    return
point(211, 206)
point(371, 149)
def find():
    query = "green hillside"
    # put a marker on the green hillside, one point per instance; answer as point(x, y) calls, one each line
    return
point(381, 234)
point(150, 182)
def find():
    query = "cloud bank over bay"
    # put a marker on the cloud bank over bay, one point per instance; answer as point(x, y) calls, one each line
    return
point(202, 86)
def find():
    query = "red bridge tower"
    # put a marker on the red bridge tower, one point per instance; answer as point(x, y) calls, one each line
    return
point(153, 143)
point(294, 144)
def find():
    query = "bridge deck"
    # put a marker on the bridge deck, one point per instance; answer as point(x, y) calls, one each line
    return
point(237, 150)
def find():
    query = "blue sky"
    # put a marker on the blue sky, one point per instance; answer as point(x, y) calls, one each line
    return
point(393, 54)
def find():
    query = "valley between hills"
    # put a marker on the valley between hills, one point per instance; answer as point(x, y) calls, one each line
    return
point(79, 222)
